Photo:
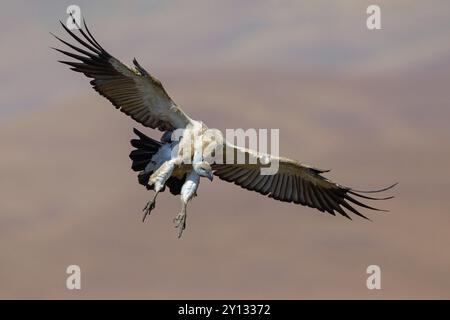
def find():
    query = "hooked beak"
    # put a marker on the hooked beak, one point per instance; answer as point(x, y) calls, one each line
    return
point(210, 177)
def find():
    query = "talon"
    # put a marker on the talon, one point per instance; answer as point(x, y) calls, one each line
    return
point(180, 233)
point(177, 220)
point(148, 209)
point(180, 221)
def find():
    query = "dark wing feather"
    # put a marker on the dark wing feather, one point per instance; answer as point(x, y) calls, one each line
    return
point(293, 182)
point(132, 90)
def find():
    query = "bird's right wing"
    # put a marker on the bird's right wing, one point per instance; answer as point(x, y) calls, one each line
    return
point(293, 182)
point(132, 90)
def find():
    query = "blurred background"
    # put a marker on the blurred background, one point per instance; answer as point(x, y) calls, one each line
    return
point(373, 106)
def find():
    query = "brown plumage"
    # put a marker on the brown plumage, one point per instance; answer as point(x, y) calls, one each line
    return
point(293, 182)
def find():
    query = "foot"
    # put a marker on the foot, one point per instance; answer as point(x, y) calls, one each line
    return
point(180, 221)
point(148, 208)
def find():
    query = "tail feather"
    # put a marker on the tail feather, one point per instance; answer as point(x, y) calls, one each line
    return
point(140, 154)
point(139, 165)
point(143, 178)
point(146, 148)
point(140, 145)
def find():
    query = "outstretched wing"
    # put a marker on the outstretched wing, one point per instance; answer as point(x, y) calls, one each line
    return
point(132, 90)
point(293, 182)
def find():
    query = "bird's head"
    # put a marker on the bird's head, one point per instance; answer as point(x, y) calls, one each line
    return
point(203, 169)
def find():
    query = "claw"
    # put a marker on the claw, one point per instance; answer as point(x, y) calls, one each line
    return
point(180, 221)
point(148, 208)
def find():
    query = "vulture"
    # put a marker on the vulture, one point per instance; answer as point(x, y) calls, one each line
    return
point(188, 151)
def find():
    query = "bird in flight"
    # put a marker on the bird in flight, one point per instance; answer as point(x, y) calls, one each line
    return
point(179, 162)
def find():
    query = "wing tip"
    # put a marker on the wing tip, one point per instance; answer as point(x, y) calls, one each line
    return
point(375, 191)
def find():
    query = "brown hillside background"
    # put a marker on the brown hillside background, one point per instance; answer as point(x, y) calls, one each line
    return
point(373, 106)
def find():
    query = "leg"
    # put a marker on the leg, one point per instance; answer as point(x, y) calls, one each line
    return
point(187, 193)
point(158, 179)
point(149, 207)
point(180, 220)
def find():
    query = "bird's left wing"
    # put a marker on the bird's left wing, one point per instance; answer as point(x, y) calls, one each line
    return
point(292, 182)
point(132, 90)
